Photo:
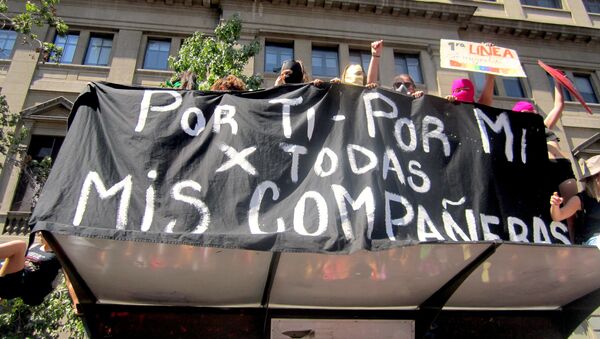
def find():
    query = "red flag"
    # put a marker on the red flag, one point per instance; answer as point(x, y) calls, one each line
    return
point(563, 80)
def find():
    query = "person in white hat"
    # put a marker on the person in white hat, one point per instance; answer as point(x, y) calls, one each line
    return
point(586, 202)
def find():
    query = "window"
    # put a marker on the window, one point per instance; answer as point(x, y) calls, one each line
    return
point(362, 58)
point(584, 85)
point(566, 94)
point(409, 64)
point(325, 62)
point(68, 43)
point(98, 51)
point(512, 87)
point(276, 54)
point(7, 42)
point(157, 54)
point(592, 6)
point(479, 80)
point(543, 3)
point(503, 86)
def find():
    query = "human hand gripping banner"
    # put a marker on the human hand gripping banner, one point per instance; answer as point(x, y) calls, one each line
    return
point(296, 168)
point(480, 57)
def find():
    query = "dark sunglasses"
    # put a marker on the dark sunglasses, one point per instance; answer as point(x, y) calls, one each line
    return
point(400, 83)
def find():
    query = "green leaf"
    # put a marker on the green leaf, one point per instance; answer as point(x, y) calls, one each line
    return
point(48, 320)
point(213, 57)
point(30, 7)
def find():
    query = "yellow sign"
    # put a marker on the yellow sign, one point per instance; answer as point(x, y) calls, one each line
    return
point(480, 57)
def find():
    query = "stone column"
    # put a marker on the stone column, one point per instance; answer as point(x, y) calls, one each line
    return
point(387, 68)
point(514, 10)
point(81, 49)
point(16, 86)
point(579, 13)
point(428, 69)
point(344, 57)
point(124, 60)
point(303, 52)
point(21, 71)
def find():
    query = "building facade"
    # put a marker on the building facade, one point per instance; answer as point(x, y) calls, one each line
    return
point(129, 41)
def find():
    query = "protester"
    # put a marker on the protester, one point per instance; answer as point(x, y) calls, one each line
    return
point(185, 80)
point(354, 75)
point(463, 90)
point(292, 72)
point(554, 115)
point(29, 274)
point(403, 83)
point(585, 203)
point(560, 170)
point(229, 83)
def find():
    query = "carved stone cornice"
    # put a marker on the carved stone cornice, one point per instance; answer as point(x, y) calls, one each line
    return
point(418, 9)
point(533, 30)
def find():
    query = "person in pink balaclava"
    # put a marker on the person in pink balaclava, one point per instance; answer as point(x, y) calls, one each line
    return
point(560, 169)
point(463, 90)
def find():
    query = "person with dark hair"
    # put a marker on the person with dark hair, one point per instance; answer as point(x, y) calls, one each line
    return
point(185, 80)
point(292, 72)
point(405, 84)
point(229, 83)
point(402, 83)
point(586, 203)
point(29, 274)
point(188, 80)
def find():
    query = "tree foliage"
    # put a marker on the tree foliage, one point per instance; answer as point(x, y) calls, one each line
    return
point(213, 57)
point(10, 139)
point(12, 133)
point(36, 14)
point(55, 316)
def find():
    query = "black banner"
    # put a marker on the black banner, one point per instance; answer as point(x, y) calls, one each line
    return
point(297, 168)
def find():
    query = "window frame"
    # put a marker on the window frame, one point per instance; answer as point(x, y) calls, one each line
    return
point(277, 45)
point(419, 79)
point(10, 53)
point(592, 10)
point(104, 36)
point(150, 39)
point(325, 49)
point(364, 63)
point(571, 75)
point(500, 86)
point(588, 77)
point(70, 33)
point(559, 4)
